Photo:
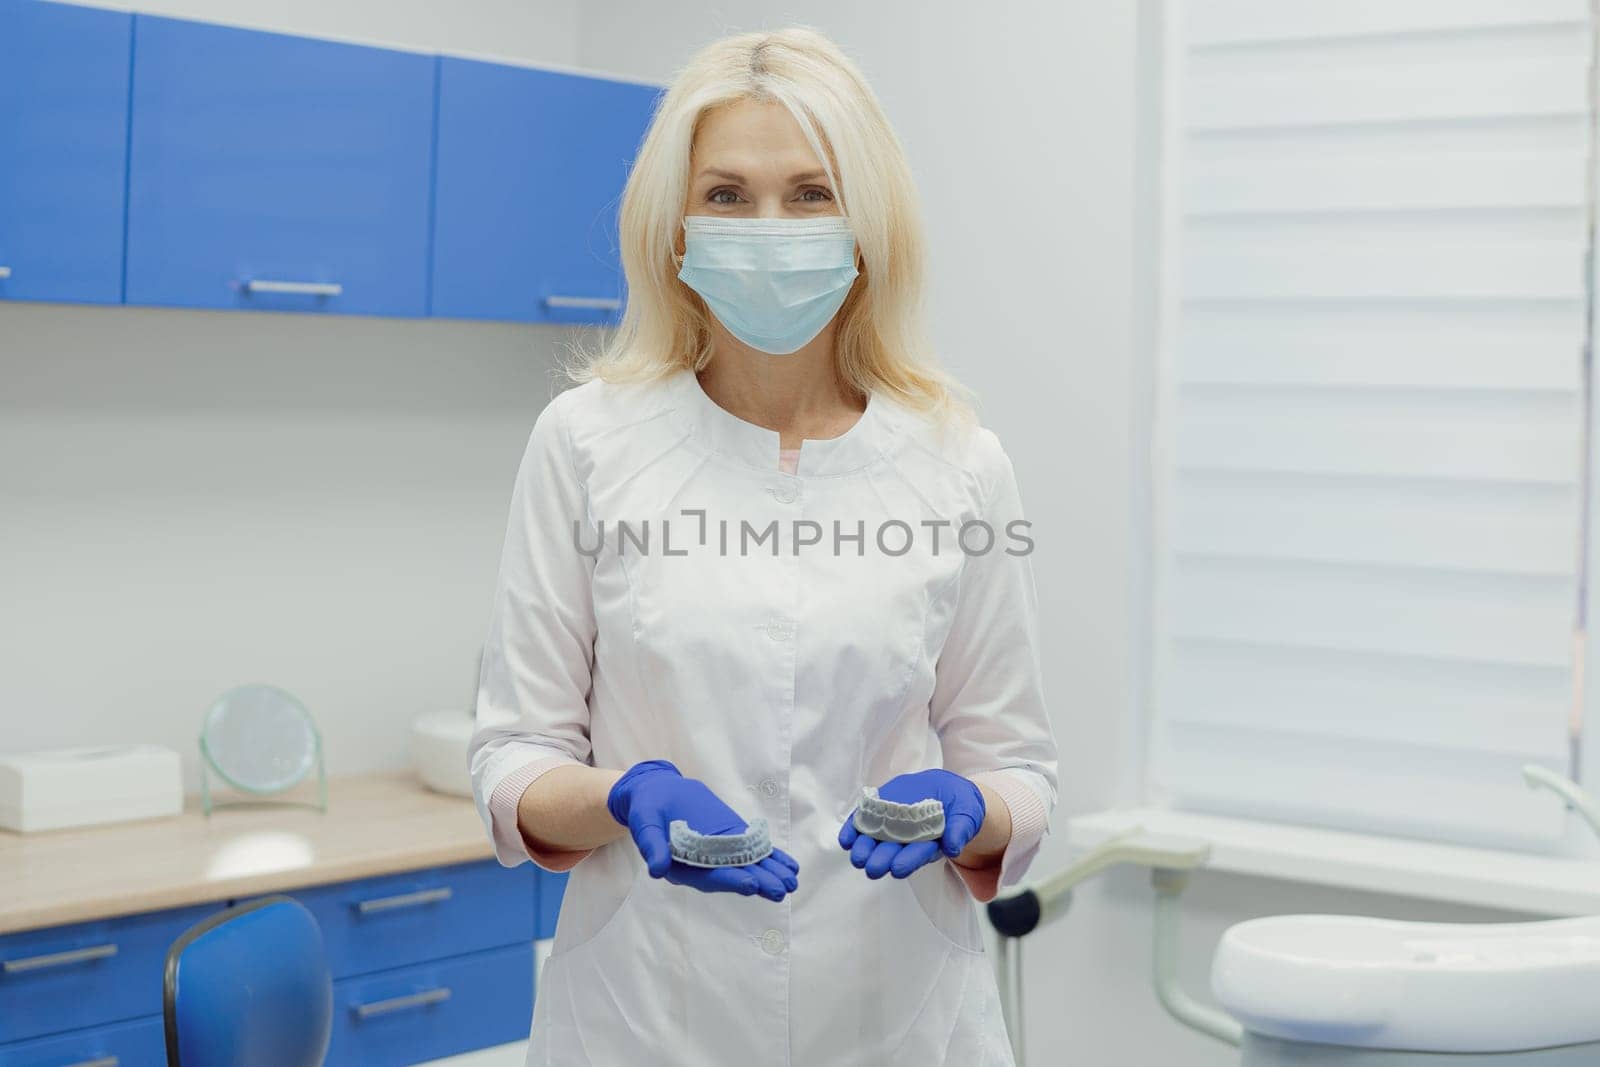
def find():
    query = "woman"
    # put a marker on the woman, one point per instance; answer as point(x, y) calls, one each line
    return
point(759, 559)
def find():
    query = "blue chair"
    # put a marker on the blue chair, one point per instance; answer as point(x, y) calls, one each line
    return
point(249, 987)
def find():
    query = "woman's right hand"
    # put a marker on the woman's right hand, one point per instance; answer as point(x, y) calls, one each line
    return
point(652, 794)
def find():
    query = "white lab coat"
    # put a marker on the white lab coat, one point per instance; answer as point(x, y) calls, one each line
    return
point(785, 682)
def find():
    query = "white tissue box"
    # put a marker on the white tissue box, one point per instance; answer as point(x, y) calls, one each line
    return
point(88, 786)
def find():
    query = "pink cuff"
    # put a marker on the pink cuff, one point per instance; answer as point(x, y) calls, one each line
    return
point(508, 835)
point(1028, 821)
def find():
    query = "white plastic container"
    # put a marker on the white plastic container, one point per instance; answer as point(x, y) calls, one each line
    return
point(88, 786)
point(439, 750)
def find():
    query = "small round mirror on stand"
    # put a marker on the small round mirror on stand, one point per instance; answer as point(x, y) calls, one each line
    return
point(261, 741)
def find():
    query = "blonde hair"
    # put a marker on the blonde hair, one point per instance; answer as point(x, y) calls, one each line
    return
point(880, 343)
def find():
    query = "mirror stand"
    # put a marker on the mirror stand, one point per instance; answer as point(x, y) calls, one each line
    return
point(248, 796)
point(260, 741)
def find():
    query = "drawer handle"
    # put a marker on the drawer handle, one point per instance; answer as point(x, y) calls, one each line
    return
point(405, 1003)
point(404, 900)
point(58, 959)
point(103, 1061)
point(294, 288)
point(5, 272)
point(586, 303)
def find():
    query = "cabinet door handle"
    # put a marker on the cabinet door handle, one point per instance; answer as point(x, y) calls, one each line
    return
point(58, 959)
point(404, 900)
point(256, 285)
point(586, 303)
point(405, 1003)
point(103, 1061)
point(5, 272)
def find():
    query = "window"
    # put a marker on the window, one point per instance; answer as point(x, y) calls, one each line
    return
point(1370, 433)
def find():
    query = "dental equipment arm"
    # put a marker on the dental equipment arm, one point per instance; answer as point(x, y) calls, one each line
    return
point(1581, 801)
point(1171, 860)
point(1170, 882)
point(1026, 911)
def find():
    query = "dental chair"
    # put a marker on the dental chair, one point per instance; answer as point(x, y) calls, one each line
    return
point(1347, 991)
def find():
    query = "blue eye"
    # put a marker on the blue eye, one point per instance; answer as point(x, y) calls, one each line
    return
point(822, 195)
point(717, 196)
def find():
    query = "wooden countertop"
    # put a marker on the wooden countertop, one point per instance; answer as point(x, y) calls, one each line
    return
point(375, 824)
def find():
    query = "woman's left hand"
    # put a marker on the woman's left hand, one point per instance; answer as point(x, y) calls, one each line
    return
point(964, 812)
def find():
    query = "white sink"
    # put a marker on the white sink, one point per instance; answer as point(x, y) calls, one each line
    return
point(1425, 987)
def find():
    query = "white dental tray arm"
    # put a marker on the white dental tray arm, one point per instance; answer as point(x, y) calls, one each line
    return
point(1170, 859)
point(1582, 802)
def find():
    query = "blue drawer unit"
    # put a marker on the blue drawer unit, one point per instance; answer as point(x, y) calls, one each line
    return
point(379, 923)
point(531, 166)
point(86, 974)
point(63, 151)
point(426, 963)
point(552, 887)
point(141, 1043)
point(277, 173)
point(433, 1010)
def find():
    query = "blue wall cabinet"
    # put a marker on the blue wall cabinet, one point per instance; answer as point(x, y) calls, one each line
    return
point(63, 151)
point(531, 166)
point(277, 173)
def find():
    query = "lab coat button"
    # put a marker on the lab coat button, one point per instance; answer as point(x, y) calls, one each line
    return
point(769, 787)
point(780, 629)
point(772, 942)
point(784, 493)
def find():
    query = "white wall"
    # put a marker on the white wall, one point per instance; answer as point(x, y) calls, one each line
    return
point(194, 500)
point(1023, 126)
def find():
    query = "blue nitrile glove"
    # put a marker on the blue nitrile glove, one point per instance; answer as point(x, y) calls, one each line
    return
point(652, 794)
point(964, 811)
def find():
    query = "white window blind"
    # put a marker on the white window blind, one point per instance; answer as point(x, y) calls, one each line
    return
point(1370, 424)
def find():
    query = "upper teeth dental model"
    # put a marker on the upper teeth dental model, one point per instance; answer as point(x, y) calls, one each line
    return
point(886, 820)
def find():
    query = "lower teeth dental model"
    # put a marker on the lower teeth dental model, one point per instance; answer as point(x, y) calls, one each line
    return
point(901, 823)
point(719, 850)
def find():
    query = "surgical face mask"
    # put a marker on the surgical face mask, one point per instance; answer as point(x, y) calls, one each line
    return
point(774, 283)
